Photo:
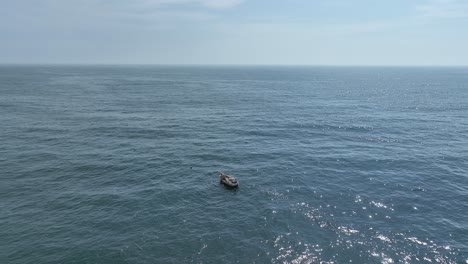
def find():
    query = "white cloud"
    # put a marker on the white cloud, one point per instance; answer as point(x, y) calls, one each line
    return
point(221, 3)
point(443, 9)
point(207, 3)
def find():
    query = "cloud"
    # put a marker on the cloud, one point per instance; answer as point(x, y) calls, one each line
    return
point(443, 9)
point(171, 11)
point(220, 4)
point(89, 15)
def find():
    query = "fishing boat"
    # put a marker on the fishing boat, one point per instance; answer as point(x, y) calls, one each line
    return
point(228, 181)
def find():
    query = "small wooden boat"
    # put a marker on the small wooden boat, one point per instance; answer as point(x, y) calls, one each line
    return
point(228, 181)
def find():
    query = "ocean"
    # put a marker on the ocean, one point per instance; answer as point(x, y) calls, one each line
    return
point(118, 164)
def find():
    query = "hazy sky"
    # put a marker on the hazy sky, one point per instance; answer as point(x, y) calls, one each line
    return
point(315, 32)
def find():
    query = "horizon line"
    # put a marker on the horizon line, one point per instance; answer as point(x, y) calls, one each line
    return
point(229, 65)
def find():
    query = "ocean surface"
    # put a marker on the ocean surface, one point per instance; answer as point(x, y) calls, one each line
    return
point(118, 164)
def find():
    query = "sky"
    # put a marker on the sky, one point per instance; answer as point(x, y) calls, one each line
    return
point(246, 32)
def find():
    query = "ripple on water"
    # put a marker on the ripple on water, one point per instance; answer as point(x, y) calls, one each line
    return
point(118, 165)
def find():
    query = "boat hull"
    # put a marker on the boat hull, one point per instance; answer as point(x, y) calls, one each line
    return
point(229, 184)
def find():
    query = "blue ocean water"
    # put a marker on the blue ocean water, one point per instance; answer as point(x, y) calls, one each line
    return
point(117, 164)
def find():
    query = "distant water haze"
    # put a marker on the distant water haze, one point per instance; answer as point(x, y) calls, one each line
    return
point(118, 164)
